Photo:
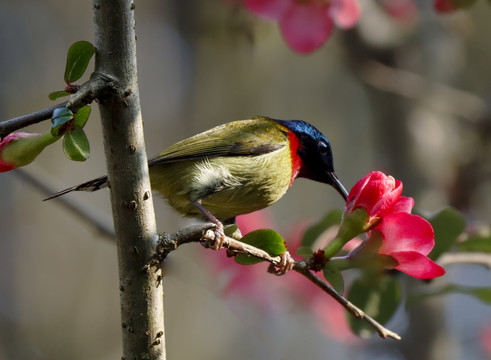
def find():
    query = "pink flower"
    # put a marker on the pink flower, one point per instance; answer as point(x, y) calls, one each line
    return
point(377, 194)
point(408, 239)
point(375, 205)
point(372, 197)
point(307, 24)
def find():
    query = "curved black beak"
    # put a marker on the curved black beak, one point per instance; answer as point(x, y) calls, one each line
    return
point(338, 186)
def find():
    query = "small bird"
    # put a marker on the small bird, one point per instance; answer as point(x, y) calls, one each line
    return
point(236, 168)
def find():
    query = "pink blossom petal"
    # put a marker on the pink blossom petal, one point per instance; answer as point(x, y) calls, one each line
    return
point(356, 191)
point(345, 13)
point(387, 199)
point(376, 192)
point(406, 232)
point(404, 204)
point(417, 265)
point(305, 26)
point(272, 9)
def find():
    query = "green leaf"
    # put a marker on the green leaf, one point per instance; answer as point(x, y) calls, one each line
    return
point(377, 296)
point(61, 116)
point(82, 116)
point(314, 231)
point(476, 243)
point(265, 239)
point(57, 94)
point(76, 145)
point(78, 57)
point(231, 229)
point(448, 224)
point(333, 275)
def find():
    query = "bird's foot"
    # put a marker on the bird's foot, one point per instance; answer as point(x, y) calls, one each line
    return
point(284, 266)
point(217, 242)
point(213, 239)
point(219, 236)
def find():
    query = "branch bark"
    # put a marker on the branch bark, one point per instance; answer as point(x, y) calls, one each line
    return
point(8, 126)
point(142, 312)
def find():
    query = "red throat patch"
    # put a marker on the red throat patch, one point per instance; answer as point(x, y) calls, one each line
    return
point(296, 160)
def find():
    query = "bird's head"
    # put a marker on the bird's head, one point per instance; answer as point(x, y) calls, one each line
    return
point(314, 152)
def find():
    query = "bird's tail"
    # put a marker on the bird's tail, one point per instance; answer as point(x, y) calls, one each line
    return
point(92, 185)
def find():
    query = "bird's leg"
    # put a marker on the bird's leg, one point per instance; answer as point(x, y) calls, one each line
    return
point(285, 265)
point(219, 233)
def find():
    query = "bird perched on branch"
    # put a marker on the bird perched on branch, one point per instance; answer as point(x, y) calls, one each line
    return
point(236, 168)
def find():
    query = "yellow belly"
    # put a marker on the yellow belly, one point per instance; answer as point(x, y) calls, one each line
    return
point(226, 186)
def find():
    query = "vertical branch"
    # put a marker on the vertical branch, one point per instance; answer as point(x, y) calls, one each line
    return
point(141, 293)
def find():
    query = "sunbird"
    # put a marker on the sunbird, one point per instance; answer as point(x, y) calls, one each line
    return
point(236, 168)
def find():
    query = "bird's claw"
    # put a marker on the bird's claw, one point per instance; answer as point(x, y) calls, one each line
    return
point(285, 265)
point(219, 237)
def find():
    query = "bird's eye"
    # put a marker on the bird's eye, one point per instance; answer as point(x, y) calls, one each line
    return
point(323, 148)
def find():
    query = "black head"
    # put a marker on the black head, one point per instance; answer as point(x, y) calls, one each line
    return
point(315, 152)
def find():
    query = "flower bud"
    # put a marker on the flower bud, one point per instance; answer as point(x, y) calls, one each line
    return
point(373, 197)
point(20, 149)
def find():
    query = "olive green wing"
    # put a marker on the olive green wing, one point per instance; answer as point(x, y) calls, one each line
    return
point(238, 138)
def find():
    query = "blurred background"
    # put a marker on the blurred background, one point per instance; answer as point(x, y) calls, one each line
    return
point(408, 96)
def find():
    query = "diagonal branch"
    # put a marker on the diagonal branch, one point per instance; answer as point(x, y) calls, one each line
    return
point(8, 126)
point(204, 234)
point(99, 84)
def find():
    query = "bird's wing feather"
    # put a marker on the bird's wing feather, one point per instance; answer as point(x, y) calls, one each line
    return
point(239, 138)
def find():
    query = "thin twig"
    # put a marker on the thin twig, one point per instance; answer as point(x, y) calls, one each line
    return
point(8, 126)
point(203, 233)
point(87, 93)
point(353, 309)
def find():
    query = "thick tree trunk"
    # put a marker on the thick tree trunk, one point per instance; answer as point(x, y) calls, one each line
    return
point(142, 313)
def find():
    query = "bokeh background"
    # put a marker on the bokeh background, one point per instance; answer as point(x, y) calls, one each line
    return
point(407, 96)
